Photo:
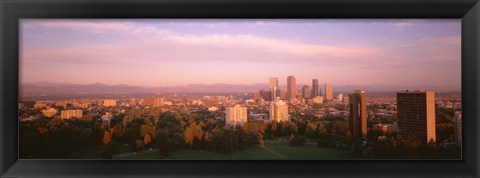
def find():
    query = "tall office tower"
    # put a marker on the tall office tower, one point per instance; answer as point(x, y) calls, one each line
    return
point(358, 114)
point(266, 95)
point(273, 85)
point(291, 88)
point(110, 102)
point(315, 88)
point(236, 115)
point(282, 94)
point(273, 82)
point(278, 111)
point(416, 114)
point(274, 93)
point(306, 92)
point(328, 92)
point(458, 127)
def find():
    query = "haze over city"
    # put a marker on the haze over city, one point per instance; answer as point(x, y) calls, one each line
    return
point(176, 52)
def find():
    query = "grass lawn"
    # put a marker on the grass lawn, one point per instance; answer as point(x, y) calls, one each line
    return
point(94, 152)
point(272, 150)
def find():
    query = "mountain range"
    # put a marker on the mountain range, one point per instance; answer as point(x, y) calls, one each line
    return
point(48, 88)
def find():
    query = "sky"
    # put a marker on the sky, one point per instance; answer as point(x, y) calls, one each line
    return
point(173, 52)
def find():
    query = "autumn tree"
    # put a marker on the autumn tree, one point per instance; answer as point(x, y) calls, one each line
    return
point(106, 138)
point(147, 140)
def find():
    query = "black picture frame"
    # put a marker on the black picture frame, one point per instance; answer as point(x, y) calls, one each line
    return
point(11, 11)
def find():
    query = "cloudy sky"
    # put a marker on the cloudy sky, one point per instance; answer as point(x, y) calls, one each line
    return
point(179, 52)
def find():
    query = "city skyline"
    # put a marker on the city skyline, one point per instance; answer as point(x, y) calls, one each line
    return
point(149, 52)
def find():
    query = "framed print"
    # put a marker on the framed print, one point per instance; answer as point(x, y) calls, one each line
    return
point(271, 88)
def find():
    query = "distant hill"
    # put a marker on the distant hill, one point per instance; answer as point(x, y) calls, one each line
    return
point(52, 89)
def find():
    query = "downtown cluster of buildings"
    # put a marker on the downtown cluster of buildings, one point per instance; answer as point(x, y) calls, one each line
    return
point(414, 110)
point(305, 95)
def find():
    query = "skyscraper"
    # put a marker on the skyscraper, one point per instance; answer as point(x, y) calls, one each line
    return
point(274, 93)
point(315, 88)
point(328, 92)
point(416, 114)
point(273, 82)
point(278, 111)
point(273, 85)
point(358, 114)
point(236, 115)
point(291, 88)
point(306, 92)
point(266, 95)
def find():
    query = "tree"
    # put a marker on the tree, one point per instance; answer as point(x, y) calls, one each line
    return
point(146, 129)
point(118, 131)
point(139, 145)
point(162, 142)
point(147, 139)
point(106, 138)
point(311, 130)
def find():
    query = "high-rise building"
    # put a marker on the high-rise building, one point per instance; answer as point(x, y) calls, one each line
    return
point(328, 92)
point(274, 93)
point(291, 88)
point(315, 88)
point(282, 94)
point(416, 114)
point(235, 115)
point(458, 127)
point(273, 82)
point(273, 85)
point(306, 92)
point(109, 102)
point(68, 114)
point(358, 114)
point(278, 111)
point(266, 95)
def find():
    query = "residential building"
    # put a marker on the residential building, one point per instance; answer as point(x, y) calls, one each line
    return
point(416, 114)
point(358, 114)
point(236, 115)
point(68, 114)
point(279, 111)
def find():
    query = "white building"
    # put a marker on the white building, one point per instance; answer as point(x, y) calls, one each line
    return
point(107, 118)
point(236, 115)
point(68, 114)
point(278, 111)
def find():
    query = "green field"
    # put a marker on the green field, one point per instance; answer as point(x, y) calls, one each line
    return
point(272, 150)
